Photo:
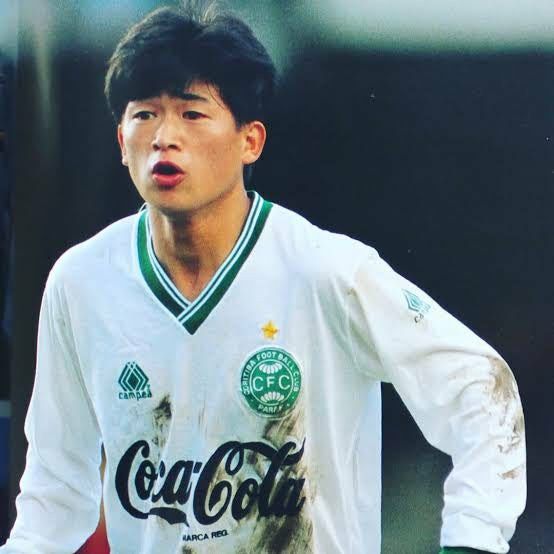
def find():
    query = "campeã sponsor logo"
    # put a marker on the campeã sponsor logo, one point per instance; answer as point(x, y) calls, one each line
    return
point(134, 383)
point(416, 304)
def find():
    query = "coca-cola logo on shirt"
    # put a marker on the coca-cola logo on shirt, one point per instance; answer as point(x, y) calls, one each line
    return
point(213, 494)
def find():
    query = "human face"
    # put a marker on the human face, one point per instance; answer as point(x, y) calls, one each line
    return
point(184, 153)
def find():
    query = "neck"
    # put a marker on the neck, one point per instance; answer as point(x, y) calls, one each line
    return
point(191, 247)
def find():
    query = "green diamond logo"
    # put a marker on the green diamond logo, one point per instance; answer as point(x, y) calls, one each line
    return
point(134, 382)
point(270, 382)
point(415, 304)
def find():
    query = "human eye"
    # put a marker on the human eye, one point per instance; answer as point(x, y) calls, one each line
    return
point(192, 115)
point(143, 115)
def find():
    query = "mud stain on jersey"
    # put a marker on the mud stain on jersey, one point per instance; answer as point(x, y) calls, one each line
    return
point(187, 550)
point(514, 473)
point(202, 415)
point(162, 412)
point(161, 418)
point(274, 533)
point(518, 430)
point(504, 387)
point(290, 535)
point(504, 393)
point(278, 431)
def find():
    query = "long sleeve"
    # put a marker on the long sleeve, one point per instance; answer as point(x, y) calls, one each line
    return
point(460, 392)
point(58, 506)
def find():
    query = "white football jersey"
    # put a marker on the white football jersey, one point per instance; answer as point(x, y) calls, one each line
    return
point(248, 419)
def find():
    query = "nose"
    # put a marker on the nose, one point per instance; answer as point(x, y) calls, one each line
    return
point(167, 135)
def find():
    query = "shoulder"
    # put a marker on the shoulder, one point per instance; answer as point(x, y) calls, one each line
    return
point(315, 251)
point(109, 248)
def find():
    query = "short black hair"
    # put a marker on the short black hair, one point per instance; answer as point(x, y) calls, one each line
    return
point(172, 47)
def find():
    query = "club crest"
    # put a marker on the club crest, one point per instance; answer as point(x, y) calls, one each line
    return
point(270, 382)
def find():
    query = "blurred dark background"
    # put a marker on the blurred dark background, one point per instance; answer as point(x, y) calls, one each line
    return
point(424, 133)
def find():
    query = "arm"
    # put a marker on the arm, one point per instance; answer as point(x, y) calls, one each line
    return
point(58, 507)
point(461, 394)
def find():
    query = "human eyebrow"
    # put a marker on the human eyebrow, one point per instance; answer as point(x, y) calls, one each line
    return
point(191, 96)
point(140, 104)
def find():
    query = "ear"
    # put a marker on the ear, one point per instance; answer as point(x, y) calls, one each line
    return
point(122, 145)
point(254, 135)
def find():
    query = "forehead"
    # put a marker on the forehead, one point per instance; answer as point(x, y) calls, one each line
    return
point(197, 91)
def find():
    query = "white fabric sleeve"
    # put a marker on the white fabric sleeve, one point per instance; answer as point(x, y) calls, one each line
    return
point(58, 506)
point(460, 392)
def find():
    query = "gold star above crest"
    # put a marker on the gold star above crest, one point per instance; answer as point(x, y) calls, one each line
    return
point(269, 330)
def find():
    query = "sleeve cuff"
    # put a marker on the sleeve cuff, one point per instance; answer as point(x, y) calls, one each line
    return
point(460, 550)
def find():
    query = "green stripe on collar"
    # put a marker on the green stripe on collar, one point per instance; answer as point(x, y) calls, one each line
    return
point(191, 315)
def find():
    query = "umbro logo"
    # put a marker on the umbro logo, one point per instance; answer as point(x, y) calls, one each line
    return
point(134, 382)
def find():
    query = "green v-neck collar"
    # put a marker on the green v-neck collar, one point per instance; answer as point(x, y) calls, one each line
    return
point(191, 314)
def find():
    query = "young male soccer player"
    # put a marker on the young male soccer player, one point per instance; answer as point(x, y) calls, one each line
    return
point(228, 354)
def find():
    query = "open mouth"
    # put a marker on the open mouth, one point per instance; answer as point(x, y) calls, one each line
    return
point(166, 168)
point(167, 174)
